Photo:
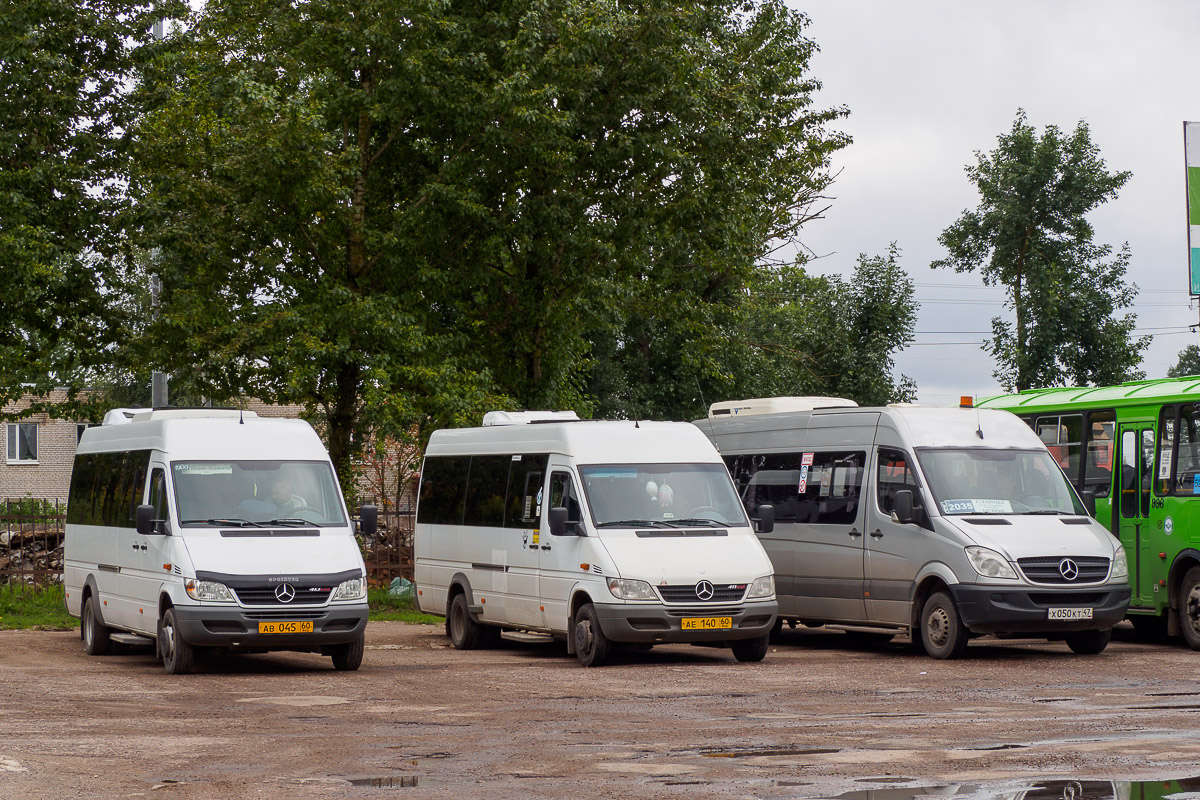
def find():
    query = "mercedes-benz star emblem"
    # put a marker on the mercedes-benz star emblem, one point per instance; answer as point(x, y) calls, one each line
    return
point(704, 590)
point(1068, 569)
point(285, 593)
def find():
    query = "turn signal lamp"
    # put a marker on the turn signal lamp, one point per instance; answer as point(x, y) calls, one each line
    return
point(966, 401)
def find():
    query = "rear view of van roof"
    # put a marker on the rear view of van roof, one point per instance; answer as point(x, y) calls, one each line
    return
point(776, 405)
point(124, 416)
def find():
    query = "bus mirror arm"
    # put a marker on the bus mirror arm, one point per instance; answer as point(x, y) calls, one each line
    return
point(903, 508)
point(765, 523)
point(1089, 501)
point(368, 520)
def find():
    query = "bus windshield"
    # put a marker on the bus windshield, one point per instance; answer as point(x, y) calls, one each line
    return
point(982, 481)
point(661, 495)
point(256, 493)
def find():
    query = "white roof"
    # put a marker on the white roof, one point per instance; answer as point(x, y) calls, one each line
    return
point(208, 434)
point(776, 405)
point(526, 417)
point(589, 441)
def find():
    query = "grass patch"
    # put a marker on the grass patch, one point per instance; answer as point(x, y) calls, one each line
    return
point(38, 608)
point(386, 608)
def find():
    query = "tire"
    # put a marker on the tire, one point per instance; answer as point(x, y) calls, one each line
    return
point(751, 650)
point(592, 647)
point(348, 657)
point(95, 634)
point(1088, 643)
point(776, 634)
point(465, 632)
point(942, 631)
point(1189, 608)
point(178, 656)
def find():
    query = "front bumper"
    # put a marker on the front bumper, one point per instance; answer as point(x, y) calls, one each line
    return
point(657, 623)
point(1022, 609)
point(237, 627)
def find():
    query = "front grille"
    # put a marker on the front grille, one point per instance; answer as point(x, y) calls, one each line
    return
point(1066, 598)
point(704, 611)
point(265, 595)
point(1048, 569)
point(285, 615)
point(722, 593)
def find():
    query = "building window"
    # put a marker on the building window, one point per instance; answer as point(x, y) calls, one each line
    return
point(22, 441)
point(80, 427)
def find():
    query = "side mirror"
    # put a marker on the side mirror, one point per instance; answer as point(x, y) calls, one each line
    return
point(558, 521)
point(1089, 501)
point(368, 520)
point(145, 520)
point(903, 509)
point(766, 519)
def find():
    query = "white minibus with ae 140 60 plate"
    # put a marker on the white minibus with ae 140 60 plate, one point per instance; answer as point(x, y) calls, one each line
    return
point(212, 529)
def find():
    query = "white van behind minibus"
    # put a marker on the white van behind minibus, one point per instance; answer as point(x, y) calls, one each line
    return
point(938, 523)
point(212, 529)
point(538, 526)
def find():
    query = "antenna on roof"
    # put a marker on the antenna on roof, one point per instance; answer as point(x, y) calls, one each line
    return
point(243, 422)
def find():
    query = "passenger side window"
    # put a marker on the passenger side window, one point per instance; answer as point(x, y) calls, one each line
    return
point(525, 491)
point(158, 493)
point(1063, 437)
point(487, 483)
point(805, 487)
point(1101, 441)
point(564, 495)
point(895, 473)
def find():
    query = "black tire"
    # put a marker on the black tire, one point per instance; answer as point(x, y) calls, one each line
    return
point(465, 632)
point(95, 634)
point(178, 656)
point(1088, 643)
point(942, 631)
point(1189, 607)
point(592, 647)
point(776, 634)
point(751, 650)
point(348, 657)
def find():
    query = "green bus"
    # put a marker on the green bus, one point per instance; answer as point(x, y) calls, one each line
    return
point(1133, 452)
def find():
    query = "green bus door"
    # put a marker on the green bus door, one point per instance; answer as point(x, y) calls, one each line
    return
point(1134, 481)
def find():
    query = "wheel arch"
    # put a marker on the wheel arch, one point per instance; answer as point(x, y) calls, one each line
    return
point(1184, 560)
point(90, 590)
point(579, 599)
point(933, 581)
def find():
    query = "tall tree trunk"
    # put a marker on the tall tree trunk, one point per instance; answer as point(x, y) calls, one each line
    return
point(1022, 361)
point(342, 414)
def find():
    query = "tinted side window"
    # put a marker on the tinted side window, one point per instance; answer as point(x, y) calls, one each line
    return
point(158, 493)
point(564, 495)
point(1098, 458)
point(443, 490)
point(525, 491)
point(81, 500)
point(487, 483)
point(1063, 437)
point(895, 473)
point(813, 487)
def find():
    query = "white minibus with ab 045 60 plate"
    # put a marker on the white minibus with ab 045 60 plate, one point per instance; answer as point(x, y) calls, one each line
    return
point(212, 529)
point(538, 526)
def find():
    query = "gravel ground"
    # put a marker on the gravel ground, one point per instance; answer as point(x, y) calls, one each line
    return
point(820, 717)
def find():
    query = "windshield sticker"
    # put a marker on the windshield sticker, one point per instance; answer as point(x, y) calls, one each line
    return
point(826, 481)
point(977, 506)
point(1164, 464)
point(803, 479)
point(806, 460)
point(1196, 483)
point(204, 469)
point(612, 472)
point(1168, 526)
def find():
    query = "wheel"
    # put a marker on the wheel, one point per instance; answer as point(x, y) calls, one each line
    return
point(348, 657)
point(1189, 607)
point(1088, 643)
point(751, 649)
point(1149, 628)
point(94, 632)
point(177, 655)
point(942, 630)
point(592, 647)
point(465, 632)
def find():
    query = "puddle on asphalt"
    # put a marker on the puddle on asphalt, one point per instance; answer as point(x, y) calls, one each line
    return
point(1178, 789)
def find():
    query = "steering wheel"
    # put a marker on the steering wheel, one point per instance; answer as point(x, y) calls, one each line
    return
point(698, 511)
point(1033, 501)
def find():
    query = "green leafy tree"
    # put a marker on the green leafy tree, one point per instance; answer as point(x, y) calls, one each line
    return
point(65, 67)
point(1188, 363)
point(403, 212)
point(1030, 234)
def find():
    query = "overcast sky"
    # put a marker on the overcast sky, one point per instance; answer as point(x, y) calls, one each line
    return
point(929, 83)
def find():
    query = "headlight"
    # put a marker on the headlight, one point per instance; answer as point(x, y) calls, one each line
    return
point(208, 591)
point(762, 587)
point(353, 589)
point(631, 590)
point(989, 563)
point(1120, 567)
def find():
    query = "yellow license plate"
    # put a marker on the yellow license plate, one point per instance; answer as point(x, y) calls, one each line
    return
point(304, 626)
point(706, 623)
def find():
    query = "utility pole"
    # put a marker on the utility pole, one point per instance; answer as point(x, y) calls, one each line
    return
point(158, 380)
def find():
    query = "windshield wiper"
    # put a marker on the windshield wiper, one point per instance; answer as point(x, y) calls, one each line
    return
point(697, 521)
point(241, 523)
point(289, 521)
point(1050, 511)
point(630, 523)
